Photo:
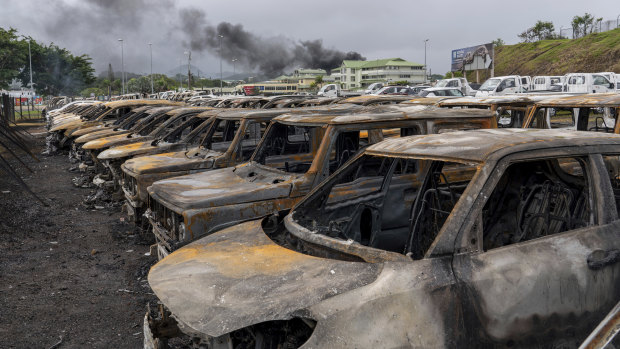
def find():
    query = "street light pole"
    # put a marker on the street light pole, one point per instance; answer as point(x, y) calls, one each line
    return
point(122, 68)
point(221, 36)
point(234, 66)
point(425, 71)
point(151, 49)
point(30, 58)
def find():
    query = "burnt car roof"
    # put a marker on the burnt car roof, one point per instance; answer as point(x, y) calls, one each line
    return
point(507, 99)
point(487, 144)
point(427, 100)
point(382, 114)
point(365, 99)
point(178, 111)
point(131, 102)
point(584, 100)
point(271, 113)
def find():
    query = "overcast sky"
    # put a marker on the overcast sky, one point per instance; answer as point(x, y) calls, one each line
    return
point(375, 29)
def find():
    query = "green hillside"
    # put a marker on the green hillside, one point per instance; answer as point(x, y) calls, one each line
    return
point(598, 52)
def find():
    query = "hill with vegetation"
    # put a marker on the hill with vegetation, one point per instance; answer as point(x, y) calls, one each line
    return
point(597, 52)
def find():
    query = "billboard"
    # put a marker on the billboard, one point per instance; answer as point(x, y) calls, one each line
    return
point(472, 58)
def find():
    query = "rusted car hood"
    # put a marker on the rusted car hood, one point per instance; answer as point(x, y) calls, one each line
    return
point(67, 125)
point(238, 277)
point(170, 162)
point(99, 134)
point(95, 128)
point(133, 149)
point(217, 188)
point(113, 141)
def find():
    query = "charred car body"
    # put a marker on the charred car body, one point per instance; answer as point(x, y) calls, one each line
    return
point(467, 239)
point(231, 140)
point(162, 125)
point(105, 112)
point(295, 155)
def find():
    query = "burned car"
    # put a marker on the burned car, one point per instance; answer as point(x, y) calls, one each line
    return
point(187, 134)
point(577, 112)
point(132, 122)
point(486, 238)
point(296, 154)
point(105, 112)
point(230, 141)
point(160, 121)
point(161, 126)
point(511, 110)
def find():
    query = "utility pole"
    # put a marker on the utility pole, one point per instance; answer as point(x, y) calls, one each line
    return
point(425, 72)
point(189, 59)
point(221, 36)
point(151, 49)
point(180, 75)
point(122, 69)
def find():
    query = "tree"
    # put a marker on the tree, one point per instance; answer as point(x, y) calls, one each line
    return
point(540, 31)
point(498, 42)
point(12, 56)
point(580, 25)
point(140, 85)
point(94, 90)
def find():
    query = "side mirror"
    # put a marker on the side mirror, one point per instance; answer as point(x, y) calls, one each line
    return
point(500, 89)
point(611, 85)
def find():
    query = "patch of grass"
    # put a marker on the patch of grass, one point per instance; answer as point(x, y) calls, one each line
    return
point(593, 53)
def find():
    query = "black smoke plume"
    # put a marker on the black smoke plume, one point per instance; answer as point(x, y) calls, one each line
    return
point(272, 56)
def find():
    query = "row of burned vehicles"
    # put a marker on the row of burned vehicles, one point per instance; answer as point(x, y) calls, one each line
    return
point(371, 221)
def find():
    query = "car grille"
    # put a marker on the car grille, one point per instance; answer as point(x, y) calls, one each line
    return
point(166, 219)
point(130, 185)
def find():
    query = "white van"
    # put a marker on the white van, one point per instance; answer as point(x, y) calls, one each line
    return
point(547, 83)
point(503, 85)
point(588, 83)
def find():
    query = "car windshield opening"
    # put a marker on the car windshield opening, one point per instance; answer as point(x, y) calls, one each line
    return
point(289, 148)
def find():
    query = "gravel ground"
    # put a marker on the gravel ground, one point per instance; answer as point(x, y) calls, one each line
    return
point(72, 276)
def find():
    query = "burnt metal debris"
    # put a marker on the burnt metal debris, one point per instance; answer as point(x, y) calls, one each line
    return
point(384, 221)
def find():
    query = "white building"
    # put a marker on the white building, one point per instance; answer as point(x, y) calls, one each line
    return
point(359, 74)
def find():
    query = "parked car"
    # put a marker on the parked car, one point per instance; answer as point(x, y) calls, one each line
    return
point(296, 154)
point(396, 91)
point(503, 85)
point(440, 92)
point(460, 83)
point(474, 239)
point(372, 88)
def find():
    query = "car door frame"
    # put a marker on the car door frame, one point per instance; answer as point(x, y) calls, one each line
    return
point(468, 242)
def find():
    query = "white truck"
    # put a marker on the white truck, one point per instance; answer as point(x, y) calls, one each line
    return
point(504, 85)
point(588, 83)
point(547, 83)
point(372, 88)
point(460, 83)
point(613, 78)
point(334, 90)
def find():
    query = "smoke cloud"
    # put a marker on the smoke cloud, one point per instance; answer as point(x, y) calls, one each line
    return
point(93, 27)
point(271, 56)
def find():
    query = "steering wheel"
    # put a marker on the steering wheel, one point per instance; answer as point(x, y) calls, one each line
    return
point(348, 150)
